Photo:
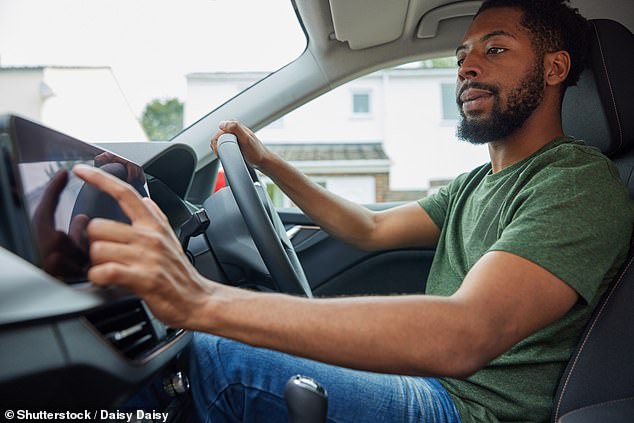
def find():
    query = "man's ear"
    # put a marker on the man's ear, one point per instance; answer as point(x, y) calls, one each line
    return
point(556, 67)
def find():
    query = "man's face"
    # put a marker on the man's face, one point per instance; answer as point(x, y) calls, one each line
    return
point(500, 80)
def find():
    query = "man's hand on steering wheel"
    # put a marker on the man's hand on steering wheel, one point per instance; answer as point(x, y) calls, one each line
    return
point(253, 150)
point(235, 145)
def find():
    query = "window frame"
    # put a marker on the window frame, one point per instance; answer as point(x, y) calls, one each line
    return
point(357, 92)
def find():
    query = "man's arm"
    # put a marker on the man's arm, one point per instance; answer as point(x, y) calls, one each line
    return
point(404, 226)
point(503, 299)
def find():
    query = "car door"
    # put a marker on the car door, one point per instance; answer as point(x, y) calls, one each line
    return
point(335, 268)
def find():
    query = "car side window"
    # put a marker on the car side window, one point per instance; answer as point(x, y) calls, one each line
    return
point(390, 136)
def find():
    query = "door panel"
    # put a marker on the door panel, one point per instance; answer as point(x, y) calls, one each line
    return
point(335, 268)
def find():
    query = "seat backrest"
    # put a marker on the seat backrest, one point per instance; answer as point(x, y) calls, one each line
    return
point(600, 111)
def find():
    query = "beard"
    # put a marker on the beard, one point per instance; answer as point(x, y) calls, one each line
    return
point(522, 101)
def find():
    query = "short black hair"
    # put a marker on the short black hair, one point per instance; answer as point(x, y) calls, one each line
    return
point(554, 26)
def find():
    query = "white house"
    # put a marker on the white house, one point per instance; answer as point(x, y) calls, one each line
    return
point(84, 102)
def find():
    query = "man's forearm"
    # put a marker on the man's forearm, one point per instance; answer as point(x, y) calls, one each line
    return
point(405, 335)
point(404, 226)
point(341, 218)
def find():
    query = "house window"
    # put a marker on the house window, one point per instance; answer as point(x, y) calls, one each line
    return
point(449, 106)
point(361, 104)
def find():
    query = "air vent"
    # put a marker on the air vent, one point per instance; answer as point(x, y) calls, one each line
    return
point(127, 326)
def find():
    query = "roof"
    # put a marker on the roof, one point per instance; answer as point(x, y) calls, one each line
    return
point(300, 152)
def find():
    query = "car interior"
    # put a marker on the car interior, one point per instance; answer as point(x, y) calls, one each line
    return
point(66, 343)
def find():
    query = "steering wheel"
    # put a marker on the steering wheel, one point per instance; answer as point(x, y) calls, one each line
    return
point(262, 221)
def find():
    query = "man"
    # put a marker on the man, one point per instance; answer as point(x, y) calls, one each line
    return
point(506, 299)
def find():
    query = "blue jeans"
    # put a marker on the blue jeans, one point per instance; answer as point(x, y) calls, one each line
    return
point(234, 382)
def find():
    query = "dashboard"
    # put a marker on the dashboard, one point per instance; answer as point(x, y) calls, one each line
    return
point(64, 342)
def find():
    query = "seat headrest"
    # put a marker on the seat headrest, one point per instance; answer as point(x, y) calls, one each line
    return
point(600, 108)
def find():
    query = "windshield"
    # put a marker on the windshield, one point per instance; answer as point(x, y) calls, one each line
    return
point(121, 70)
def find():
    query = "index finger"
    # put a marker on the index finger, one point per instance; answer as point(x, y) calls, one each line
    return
point(127, 197)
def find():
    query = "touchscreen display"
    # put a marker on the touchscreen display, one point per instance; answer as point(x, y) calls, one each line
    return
point(59, 204)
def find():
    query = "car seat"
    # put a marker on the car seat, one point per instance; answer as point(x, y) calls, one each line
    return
point(598, 383)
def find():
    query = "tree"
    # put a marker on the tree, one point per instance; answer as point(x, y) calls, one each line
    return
point(162, 119)
point(440, 62)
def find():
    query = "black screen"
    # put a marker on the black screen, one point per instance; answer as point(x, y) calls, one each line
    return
point(58, 204)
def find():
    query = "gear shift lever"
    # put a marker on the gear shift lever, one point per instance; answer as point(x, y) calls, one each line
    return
point(307, 400)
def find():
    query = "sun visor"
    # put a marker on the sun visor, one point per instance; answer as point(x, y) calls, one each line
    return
point(368, 23)
point(429, 23)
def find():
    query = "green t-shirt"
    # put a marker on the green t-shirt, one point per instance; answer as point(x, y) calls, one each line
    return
point(563, 208)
